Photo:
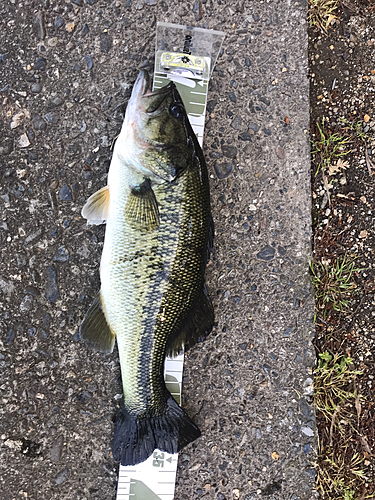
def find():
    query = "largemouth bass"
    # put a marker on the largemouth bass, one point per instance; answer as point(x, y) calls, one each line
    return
point(158, 239)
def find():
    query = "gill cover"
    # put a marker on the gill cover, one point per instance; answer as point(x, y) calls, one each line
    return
point(160, 129)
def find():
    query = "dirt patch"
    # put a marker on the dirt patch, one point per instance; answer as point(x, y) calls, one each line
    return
point(342, 71)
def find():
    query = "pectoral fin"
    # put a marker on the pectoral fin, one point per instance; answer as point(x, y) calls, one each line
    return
point(96, 208)
point(94, 329)
point(141, 210)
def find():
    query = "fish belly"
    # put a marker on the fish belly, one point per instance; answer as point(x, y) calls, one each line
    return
point(134, 274)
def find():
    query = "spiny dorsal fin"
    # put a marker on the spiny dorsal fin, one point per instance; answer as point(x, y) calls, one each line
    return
point(96, 208)
point(198, 324)
point(141, 210)
point(94, 329)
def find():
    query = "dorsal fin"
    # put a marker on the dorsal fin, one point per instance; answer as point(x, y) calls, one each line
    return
point(198, 324)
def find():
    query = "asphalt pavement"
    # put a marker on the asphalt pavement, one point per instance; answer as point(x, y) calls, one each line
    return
point(66, 72)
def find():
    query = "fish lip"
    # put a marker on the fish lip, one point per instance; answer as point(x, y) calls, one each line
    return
point(162, 90)
point(147, 92)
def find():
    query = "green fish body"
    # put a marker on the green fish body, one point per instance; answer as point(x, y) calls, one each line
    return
point(158, 240)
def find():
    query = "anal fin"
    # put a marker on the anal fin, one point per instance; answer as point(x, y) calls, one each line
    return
point(94, 329)
point(96, 208)
point(198, 324)
point(141, 210)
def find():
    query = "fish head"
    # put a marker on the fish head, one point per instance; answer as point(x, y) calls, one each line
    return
point(160, 129)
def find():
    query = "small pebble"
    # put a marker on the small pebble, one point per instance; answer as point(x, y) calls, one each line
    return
point(70, 26)
point(59, 22)
point(85, 29)
point(10, 336)
point(62, 255)
point(138, 4)
point(84, 396)
point(223, 170)
point(39, 26)
point(52, 293)
point(236, 123)
point(89, 62)
point(36, 88)
point(253, 126)
point(229, 151)
point(30, 133)
point(106, 42)
point(211, 105)
point(47, 320)
point(52, 42)
point(50, 117)
point(56, 449)
point(41, 64)
point(26, 303)
point(280, 153)
point(266, 253)
point(23, 141)
point(307, 431)
point(245, 137)
point(63, 474)
point(30, 78)
point(65, 193)
point(56, 101)
point(39, 123)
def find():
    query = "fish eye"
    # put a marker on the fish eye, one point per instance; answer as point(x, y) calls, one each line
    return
point(177, 111)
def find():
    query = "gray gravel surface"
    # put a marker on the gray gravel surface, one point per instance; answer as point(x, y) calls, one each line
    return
point(66, 72)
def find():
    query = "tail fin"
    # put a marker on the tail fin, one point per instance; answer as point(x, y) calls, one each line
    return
point(137, 436)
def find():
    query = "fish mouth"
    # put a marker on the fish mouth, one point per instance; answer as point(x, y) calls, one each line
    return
point(150, 101)
point(145, 81)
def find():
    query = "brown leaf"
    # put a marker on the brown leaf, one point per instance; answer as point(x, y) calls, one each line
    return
point(334, 169)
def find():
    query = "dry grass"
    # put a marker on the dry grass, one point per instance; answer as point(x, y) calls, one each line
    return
point(322, 12)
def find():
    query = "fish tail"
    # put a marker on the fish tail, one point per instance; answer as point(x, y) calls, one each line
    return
point(137, 436)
